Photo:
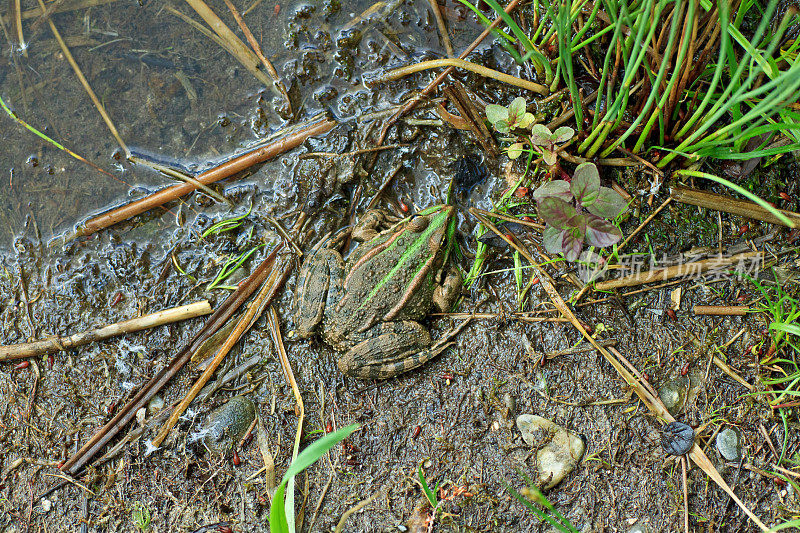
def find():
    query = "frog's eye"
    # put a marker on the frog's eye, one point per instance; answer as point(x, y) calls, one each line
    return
point(417, 224)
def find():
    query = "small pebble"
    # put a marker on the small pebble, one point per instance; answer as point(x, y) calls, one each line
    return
point(677, 438)
point(673, 394)
point(729, 444)
point(510, 402)
point(155, 404)
point(228, 423)
point(559, 450)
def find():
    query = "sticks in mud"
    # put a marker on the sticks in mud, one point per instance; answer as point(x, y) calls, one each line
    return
point(688, 269)
point(225, 170)
point(268, 291)
point(76, 463)
point(57, 344)
point(726, 204)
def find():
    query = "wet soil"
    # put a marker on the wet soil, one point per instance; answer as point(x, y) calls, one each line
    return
point(176, 97)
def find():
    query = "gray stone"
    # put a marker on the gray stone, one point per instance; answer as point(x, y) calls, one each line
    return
point(673, 394)
point(729, 444)
point(228, 423)
point(559, 450)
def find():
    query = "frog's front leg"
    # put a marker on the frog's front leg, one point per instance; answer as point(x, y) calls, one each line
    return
point(320, 281)
point(371, 224)
point(388, 349)
point(446, 293)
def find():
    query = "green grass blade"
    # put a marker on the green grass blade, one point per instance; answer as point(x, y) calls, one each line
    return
point(432, 500)
point(277, 514)
point(564, 35)
point(654, 92)
point(317, 449)
point(226, 225)
point(744, 192)
point(496, 31)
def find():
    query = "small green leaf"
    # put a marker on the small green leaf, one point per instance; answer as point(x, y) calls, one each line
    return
point(549, 157)
point(585, 184)
point(277, 514)
point(317, 449)
point(526, 121)
point(495, 113)
point(608, 204)
point(516, 110)
point(515, 150)
point(540, 135)
point(563, 134)
point(428, 494)
point(502, 126)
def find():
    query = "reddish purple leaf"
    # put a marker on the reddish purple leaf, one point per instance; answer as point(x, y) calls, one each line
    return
point(600, 232)
point(552, 239)
point(556, 212)
point(572, 239)
point(585, 184)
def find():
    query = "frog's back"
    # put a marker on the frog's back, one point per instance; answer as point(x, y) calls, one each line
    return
point(392, 285)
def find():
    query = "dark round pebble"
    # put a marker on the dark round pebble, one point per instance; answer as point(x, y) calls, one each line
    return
point(677, 438)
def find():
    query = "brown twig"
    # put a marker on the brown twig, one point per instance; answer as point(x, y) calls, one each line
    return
point(728, 370)
point(688, 269)
point(229, 41)
point(16, 8)
point(257, 49)
point(95, 100)
point(726, 204)
point(46, 15)
point(437, 13)
point(721, 310)
point(56, 343)
point(225, 170)
point(76, 463)
point(481, 70)
point(268, 290)
point(458, 96)
point(684, 460)
point(644, 223)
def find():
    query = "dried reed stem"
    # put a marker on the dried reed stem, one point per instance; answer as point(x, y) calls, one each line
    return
point(57, 344)
point(225, 170)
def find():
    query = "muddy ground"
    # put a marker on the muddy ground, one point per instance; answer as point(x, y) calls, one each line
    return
point(455, 415)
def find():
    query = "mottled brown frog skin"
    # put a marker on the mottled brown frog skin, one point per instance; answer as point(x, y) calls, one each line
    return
point(369, 306)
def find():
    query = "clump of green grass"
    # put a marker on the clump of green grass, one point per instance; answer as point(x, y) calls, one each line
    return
point(535, 501)
point(685, 77)
point(140, 516)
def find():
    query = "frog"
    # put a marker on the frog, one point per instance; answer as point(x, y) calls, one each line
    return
point(369, 307)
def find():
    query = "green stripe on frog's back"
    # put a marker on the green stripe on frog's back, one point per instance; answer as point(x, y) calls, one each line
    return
point(409, 252)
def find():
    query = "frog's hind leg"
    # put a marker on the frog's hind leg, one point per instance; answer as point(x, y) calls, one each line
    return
point(320, 279)
point(389, 349)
